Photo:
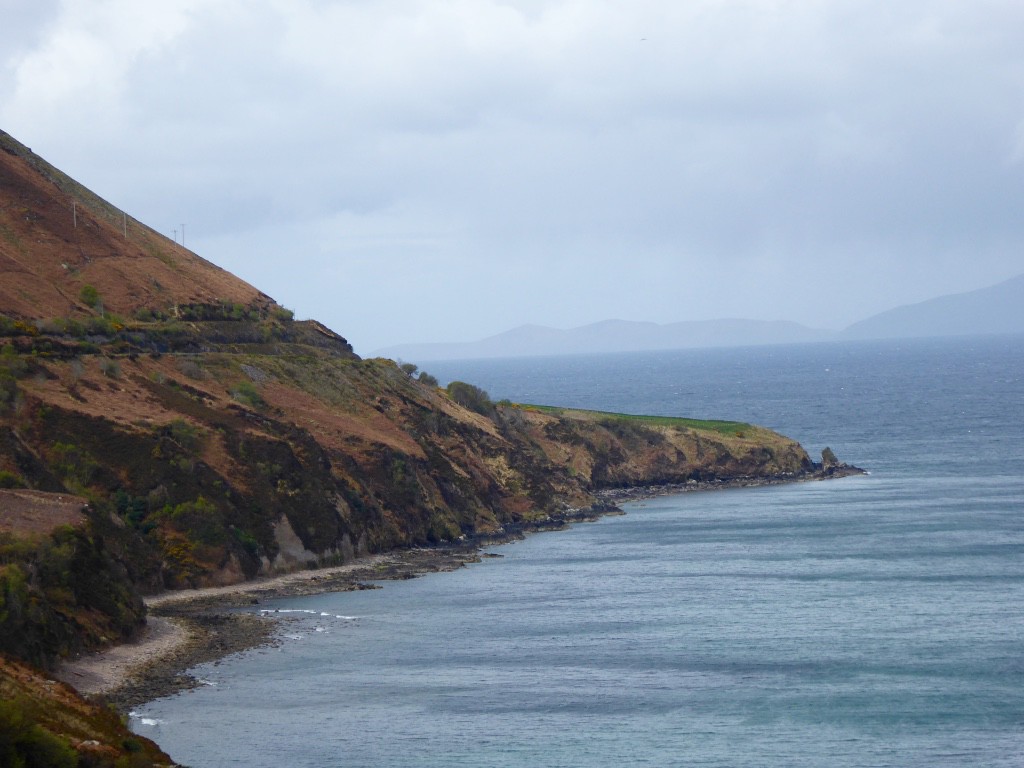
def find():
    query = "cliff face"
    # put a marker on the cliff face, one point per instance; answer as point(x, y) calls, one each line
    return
point(228, 463)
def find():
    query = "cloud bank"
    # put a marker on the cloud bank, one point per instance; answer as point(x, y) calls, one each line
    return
point(419, 170)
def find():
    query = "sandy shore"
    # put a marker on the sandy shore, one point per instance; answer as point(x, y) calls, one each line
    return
point(190, 627)
point(104, 672)
point(286, 583)
point(165, 637)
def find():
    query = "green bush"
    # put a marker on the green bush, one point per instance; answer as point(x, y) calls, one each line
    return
point(65, 592)
point(131, 508)
point(245, 392)
point(26, 744)
point(199, 520)
point(8, 390)
point(471, 397)
point(74, 464)
point(89, 296)
point(10, 480)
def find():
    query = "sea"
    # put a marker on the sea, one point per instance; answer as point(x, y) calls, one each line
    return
point(875, 620)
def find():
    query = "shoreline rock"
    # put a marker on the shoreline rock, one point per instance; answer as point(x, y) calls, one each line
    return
point(824, 471)
point(215, 627)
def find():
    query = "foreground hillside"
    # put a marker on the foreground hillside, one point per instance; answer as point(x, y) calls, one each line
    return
point(164, 425)
point(211, 467)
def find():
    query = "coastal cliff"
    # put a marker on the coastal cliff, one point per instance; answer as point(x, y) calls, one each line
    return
point(165, 425)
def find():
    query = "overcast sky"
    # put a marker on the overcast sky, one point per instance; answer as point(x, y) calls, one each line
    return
point(429, 170)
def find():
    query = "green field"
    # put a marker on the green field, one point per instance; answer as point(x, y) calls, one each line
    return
point(732, 428)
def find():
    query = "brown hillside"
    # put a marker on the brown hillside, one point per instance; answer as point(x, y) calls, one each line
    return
point(46, 256)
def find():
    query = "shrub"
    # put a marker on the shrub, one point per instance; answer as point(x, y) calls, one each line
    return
point(471, 397)
point(102, 326)
point(110, 368)
point(89, 295)
point(199, 520)
point(8, 390)
point(426, 378)
point(131, 508)
point(188, 436)
point(10, 480)
point(245, 392)
point(23, 742)
point(192, 369)
point(73, 464)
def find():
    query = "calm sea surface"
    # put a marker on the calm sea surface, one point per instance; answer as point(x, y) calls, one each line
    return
point(870, 621)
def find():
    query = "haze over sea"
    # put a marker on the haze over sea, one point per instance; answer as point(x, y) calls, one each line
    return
point(869, 621)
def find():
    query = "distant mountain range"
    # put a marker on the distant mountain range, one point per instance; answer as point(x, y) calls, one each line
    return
point(993, 310)
point(997, 309)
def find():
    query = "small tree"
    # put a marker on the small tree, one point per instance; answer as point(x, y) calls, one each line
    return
point(409, 369)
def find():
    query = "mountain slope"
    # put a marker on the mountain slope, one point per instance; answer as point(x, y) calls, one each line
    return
point(996, 309)
point(57, 237)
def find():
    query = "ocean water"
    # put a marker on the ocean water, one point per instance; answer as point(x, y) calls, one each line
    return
point(869, 621)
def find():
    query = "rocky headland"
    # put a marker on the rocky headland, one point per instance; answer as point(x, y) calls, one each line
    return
point(166, 428)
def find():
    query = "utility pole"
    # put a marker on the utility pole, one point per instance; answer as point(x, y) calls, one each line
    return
point(182, 235)
point(175, 237)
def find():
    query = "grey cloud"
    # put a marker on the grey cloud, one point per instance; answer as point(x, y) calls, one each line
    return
point(475, 157)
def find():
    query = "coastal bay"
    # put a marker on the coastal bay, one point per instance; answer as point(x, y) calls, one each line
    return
point(864, 621)
point(186, 628)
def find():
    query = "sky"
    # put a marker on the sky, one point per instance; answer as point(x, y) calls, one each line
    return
point(444, 170)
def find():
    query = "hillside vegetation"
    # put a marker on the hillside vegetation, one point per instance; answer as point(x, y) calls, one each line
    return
point(204, 436)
